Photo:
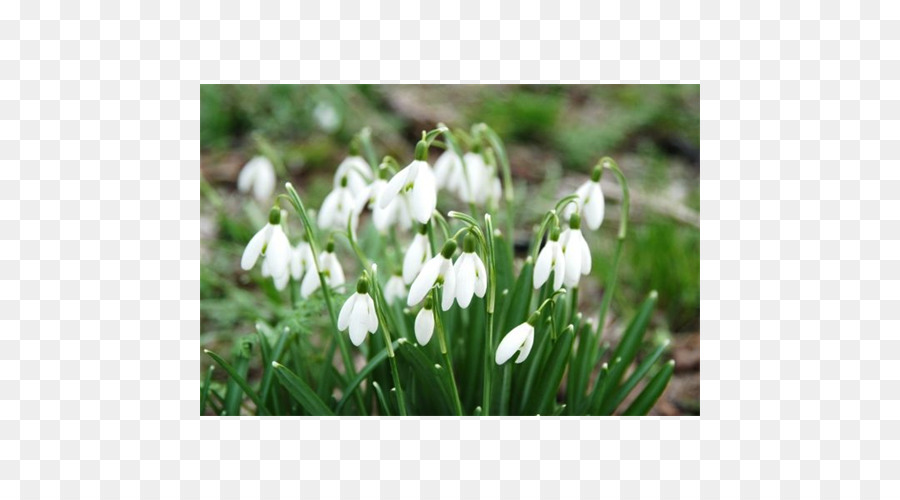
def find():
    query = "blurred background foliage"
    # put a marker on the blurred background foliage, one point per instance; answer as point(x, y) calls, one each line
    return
point(554, 134)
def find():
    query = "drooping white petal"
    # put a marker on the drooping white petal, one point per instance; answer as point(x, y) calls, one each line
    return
point(344, 316)
point(264, 183)
point(543, 265)
point(423, 198)
point(311, 282)
point(371, 315)
point(464, 270)
point(449, 292)
point(329, 209)
point(446, 168)
point(335, 271)
point(418, 253)
point(480, 276)
point(585, 253)
point(394, 289)
point(264, 269)
point(397, 183)
point(593, 206)
point(359, 319)
point(526, 346)
point(572, 258)
point(512, 342)
point(358, 174)
point(254, 247)
point(425, 280)
point(424, 325)
point(281, 281)
point(559, 266)
point(278, 252)
point(247, 175)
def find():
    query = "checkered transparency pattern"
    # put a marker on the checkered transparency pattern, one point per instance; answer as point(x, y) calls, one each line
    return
point(99, 207)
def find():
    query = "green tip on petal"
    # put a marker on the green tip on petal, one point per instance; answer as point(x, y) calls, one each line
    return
point(429, 303)
point(449, 248)
point(362, 286)
point(423, 228)
point(329, 247)
point(344, 181)
point(275, 216)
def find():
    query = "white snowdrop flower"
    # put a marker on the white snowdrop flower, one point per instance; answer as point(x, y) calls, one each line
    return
point(475, 185)
point(520, 339)
point(417, 254)
point(331, 268)
point(358, 313)
point(271, 242)
point(301, 260)
point(590, 202)
point(417, 179)
point(551, 258)
point(341, 207)
point(395, 213)
point(471, 276)
point(448, 170)
point(576, 251)
point(394, 289)
point(438, 268)
point(327, 117)
point(425, 323)
point(258, 174)
point(357, 172)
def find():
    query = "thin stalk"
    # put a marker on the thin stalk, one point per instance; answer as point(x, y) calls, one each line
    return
point(392, 359)
point(442, 341)
point(489, 313)
point(326, 290)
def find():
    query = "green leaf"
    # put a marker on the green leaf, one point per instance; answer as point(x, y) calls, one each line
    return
point(301, 391)
point(241, 382)
point(545, 391)
point(636, 377)
point(626, 350)
point(518, 300)
point(653, 391)
point(427, 375)
point(380, 396)
point(354, 384)
point(268, 373)
point(204, 389)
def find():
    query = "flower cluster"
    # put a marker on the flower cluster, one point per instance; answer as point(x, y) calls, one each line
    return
point(403, 198)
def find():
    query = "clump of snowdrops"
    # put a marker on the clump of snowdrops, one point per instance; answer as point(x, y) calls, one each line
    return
point(443, 318)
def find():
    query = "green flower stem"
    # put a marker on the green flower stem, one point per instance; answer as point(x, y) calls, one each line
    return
point(392, 359)
point(508, 191)
point(590, 356)
point(326, 290)
point(490, 304)
point(442, 341)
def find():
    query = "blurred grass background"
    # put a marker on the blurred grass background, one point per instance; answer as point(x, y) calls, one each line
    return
point(554, 134)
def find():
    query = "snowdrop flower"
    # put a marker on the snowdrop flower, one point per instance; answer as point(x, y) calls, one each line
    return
point(425, 323)
point(280, 281)
point(438, 268)
point(520, 339)
point(576, 251)
point(477, 184)
point(273, 243)
point(551, 258)
point(358, 313)
point(357, 172)
point(471, 276)
point(341, 207)
point(301, 260)
point(394, 289)
point(417, 254)
point(327, 117)
point(448, 170)
point(589, 202)
point(331, 268)
point(396, 212)
point(418, 179)
point(258, 174)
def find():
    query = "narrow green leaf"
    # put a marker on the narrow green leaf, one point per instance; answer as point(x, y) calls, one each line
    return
point(204, 389)
point(268, 373)
point(626, 350)
point(241, 382)
point(380, 396)
point(354, 384)
point(636, 377)
point(427, 375)
point(545, 392)
point(645, 401)
point(301, 392)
